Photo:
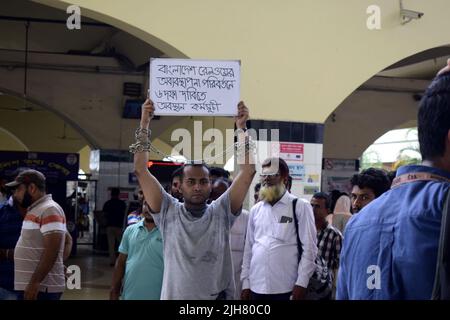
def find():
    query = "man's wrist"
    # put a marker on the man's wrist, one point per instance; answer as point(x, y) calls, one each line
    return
point(114, 290)
point(144, 125)
point(34, 283)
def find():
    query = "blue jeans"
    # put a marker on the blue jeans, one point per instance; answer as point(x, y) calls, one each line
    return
point(8, 295)
point(274, 297)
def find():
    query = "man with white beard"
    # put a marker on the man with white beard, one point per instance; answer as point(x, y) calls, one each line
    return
point(272, 268)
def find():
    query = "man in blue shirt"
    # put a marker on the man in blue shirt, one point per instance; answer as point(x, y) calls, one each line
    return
point(367, 186)
point(390, 247)
point(140, 263)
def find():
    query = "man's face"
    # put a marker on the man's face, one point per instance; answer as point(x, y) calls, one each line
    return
point(22, 196)
point(256, 195)
point(319, 208)
point(361, 197)
point(219, 188)
point(196, 186)
point(272, 185)
point(213, 178)
point(175, 187)
point(146, 213)
point(140, 196)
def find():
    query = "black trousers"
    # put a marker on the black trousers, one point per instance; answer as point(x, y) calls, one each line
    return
point(273, 297)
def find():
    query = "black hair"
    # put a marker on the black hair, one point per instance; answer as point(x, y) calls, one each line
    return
point(192, 164)
point(434, 118)
point(177, 173)
point(323, 195)
point(375, 179)
point(257, 187)
point(219, 172)
point(334, 196)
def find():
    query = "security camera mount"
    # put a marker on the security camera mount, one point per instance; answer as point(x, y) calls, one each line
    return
point(408, 15)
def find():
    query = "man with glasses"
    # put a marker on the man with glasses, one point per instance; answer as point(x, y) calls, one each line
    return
point(271, 269)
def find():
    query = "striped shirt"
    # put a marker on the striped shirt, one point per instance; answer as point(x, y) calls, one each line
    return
point(329, 242)
point(43, 217)
point(134, 217)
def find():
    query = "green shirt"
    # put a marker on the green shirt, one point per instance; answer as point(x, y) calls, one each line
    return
point(144, 267)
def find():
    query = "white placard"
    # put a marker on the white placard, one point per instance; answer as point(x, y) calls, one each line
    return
point(180, 87)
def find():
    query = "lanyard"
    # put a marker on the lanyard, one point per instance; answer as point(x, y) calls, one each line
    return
point(417, 176)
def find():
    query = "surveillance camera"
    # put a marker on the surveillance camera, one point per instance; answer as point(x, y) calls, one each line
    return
point(411, 14)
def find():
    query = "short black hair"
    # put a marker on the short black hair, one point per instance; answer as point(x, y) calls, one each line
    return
point(283, 168)
point(372, 178)
point(434, 118)
point(192, 164)
point(219, 172)
point(323, 195)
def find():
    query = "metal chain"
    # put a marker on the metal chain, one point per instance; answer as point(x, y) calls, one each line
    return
point(229, 149)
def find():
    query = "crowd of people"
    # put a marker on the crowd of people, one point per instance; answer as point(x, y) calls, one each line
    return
point(193, 240)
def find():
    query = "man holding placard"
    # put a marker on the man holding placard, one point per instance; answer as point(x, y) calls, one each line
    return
point(196, 236)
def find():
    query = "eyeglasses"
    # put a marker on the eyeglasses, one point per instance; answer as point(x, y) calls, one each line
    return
point(269, 175)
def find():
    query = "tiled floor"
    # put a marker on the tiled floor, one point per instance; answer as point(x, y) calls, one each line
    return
point(96, 276)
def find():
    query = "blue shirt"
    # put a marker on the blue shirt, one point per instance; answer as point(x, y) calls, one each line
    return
point(144, 267)
point(10, 228)
point(390, 247)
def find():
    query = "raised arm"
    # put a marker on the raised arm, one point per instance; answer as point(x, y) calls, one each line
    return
point(149, 184)
point(241, 183)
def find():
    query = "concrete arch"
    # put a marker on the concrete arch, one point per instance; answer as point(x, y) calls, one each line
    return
point(309, 65)
point(381, 104)
point(91, 141)
point(121, 24)
point(14, 138)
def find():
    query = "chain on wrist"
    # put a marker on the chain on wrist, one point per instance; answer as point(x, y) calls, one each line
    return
point(248, 146)
point(142, 144)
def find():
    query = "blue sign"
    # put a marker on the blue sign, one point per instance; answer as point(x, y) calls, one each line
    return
point(55, 166)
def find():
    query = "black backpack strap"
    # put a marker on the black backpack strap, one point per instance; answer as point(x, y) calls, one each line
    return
point(299, 244)
point(441, 288)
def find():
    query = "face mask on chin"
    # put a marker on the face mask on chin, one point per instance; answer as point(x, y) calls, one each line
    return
point(272, 193)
